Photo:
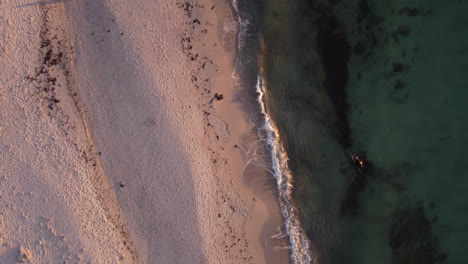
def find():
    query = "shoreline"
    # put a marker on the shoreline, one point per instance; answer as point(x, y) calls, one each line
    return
point(157, 163)
point(262, 218)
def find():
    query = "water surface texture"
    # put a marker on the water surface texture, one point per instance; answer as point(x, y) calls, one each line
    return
point(369, 99)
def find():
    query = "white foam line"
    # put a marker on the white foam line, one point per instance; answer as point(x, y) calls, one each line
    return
point(300, 245)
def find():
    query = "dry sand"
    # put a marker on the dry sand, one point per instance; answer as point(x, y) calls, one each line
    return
point(111, 149)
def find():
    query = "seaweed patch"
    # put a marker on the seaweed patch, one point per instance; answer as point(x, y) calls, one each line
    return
point(412, 239)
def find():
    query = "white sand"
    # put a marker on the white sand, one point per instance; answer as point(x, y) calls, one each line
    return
point(111, 151)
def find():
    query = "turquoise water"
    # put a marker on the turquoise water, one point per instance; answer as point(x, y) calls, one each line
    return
point(388, 80)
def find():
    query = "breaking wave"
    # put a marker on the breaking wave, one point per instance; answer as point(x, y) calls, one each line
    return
point(268, 133)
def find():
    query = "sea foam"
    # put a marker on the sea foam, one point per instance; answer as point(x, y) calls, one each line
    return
point(268, 133)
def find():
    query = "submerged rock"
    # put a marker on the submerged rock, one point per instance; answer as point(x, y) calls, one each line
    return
point(412, 239)
point(361, 168)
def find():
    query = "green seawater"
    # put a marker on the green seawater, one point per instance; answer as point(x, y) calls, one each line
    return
point(388, 80)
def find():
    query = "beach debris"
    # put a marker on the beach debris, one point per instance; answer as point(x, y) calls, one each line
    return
point(24, 254)
point(194, 57)
point(54, 100)
point(188, 8)
point(217, 96)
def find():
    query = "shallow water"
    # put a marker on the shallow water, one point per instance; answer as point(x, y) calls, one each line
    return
point(386, 79)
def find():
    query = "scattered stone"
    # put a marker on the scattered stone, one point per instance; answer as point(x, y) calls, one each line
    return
point(121, 184)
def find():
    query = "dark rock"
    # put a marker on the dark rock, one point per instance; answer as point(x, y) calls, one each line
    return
point(399, 85)
point(404, 30)
point(397, 68)
point(412, 239)
point(359, 48)
point(410, 11)
point(361, 170)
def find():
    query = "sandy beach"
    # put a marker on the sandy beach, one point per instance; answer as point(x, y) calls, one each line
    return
point(122, 140)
